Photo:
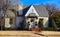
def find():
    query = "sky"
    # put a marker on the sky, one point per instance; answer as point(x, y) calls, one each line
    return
point(36, 2)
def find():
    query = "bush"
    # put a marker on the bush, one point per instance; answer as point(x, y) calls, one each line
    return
point(49, 29)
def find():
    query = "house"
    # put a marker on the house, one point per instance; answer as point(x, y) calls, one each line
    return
point(10, 17)
point(37, 13)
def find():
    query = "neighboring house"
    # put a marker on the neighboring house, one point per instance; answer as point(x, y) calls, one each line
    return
point(36, 13)
point(10, 17)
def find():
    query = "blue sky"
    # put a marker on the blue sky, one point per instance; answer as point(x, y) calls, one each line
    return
point(28, 2)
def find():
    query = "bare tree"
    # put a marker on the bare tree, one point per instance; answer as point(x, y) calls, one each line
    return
point(52, 10)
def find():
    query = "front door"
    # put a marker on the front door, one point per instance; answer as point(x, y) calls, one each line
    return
point(32, 23)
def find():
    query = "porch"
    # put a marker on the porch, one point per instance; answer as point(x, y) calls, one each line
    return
point(37, 22)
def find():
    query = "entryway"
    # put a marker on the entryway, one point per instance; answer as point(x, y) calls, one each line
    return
point(34, 22)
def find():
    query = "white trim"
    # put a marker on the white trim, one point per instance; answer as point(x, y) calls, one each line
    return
point(43, 17)
point(30, 11)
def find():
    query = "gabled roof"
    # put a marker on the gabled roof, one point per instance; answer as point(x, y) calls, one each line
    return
point(26, 9)
point(23, 11)
point(41, 10)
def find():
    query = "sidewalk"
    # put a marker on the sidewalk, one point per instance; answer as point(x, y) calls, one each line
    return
point(50, 33)
point(29, 34)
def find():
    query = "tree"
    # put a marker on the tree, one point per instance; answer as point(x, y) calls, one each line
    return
point(52, 10)
point(5, 5)
point(56, 18)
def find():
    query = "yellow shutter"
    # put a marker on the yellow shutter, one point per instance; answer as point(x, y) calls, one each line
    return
point(44, 21)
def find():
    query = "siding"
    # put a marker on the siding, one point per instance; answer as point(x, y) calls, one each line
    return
point(18, 21)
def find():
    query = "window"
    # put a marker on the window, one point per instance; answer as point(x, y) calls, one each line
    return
point(11, 21)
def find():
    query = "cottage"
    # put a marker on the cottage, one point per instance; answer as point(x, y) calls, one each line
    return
point(36, 13)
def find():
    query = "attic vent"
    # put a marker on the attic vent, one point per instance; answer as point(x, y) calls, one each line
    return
point(32, 14)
